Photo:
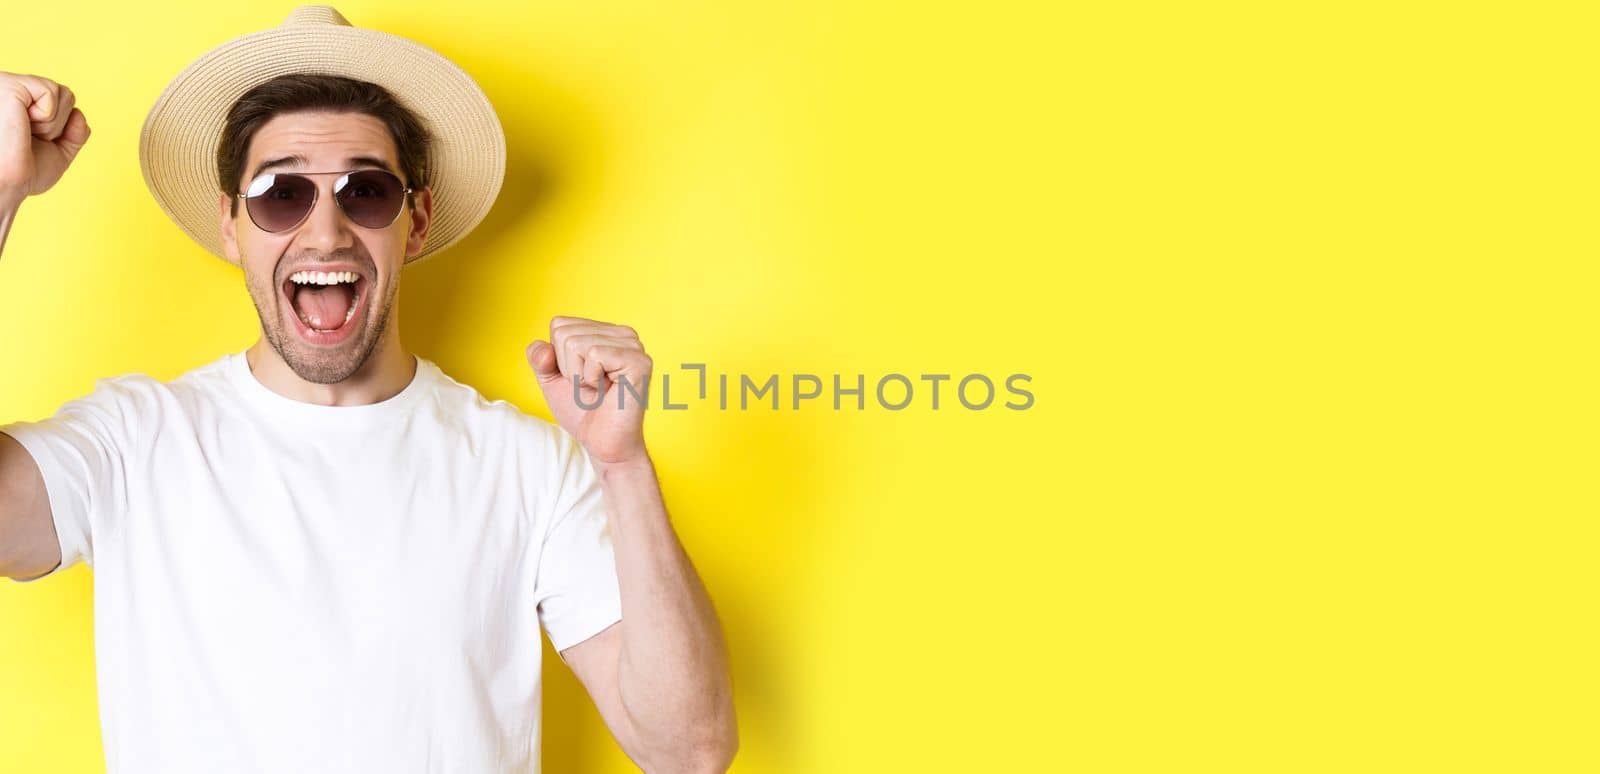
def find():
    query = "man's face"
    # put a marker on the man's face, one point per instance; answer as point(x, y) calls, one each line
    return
point(324, 332)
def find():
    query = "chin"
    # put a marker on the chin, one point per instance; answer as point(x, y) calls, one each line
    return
point(320, 369)
point(324, 349)
point(325, 364)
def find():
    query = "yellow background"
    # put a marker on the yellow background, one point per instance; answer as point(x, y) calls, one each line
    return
point(1305, 291)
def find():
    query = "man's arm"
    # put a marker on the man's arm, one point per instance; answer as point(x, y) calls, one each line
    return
point(41, 132)
point(28, 543)
point(8, 213)
point(660, 675)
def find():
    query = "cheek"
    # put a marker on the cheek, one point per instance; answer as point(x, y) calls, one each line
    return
point(259, 284)
point(386, 248)
point(394, 237)
point(258, 260)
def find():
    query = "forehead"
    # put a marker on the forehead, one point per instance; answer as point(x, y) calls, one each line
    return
point(326, 141)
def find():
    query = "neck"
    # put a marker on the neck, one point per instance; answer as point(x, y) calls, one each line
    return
point(384, 375)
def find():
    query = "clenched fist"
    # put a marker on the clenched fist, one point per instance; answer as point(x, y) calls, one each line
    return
point(596, 379)
point(41, 132)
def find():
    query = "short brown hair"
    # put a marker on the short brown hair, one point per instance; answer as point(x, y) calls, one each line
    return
point(333, 93)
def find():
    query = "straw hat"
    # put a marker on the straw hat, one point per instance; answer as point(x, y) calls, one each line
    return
point(178, 146)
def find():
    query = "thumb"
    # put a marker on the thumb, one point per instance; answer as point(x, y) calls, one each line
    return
point(542, 357)
point(74, 135)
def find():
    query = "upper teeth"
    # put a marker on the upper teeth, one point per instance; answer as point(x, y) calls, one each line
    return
point(322, 277)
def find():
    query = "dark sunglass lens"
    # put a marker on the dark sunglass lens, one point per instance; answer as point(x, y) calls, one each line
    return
point(371, 198)
point(279, 202)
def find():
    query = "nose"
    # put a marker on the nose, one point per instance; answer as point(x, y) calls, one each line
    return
point(326, 229)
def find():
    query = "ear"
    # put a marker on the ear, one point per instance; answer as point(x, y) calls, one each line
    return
point(230, 243)
point(421, 221)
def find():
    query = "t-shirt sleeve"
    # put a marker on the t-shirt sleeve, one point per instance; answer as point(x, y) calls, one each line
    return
point(577, 577)
point(79, 451)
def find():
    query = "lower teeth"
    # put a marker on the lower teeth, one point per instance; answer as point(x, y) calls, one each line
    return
point(347, 315)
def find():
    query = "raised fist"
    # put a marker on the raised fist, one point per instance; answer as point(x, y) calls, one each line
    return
point(41, 131)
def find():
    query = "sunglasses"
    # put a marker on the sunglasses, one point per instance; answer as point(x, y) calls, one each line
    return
point(279, 201)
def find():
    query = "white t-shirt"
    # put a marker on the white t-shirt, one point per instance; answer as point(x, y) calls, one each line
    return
point(287, 587)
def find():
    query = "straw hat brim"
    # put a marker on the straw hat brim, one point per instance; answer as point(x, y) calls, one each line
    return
point(178, 145)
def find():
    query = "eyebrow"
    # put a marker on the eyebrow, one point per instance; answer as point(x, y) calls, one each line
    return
point(297, 160)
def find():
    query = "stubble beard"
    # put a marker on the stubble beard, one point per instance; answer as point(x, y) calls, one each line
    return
point(318, 365)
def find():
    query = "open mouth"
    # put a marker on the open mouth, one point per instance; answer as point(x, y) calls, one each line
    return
point(324, 304)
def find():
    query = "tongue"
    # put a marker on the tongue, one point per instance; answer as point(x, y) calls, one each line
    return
point(324, 306)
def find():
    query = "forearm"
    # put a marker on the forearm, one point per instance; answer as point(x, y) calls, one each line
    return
point(672, 673)
point(9, 205)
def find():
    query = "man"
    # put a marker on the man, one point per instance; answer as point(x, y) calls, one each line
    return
point(322, 553)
